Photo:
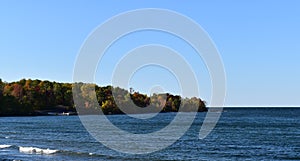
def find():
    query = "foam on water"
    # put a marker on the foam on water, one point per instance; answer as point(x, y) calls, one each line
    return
point(36, 150)
point(4, 146)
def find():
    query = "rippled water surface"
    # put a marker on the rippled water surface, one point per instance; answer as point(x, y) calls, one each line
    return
point(241, 134)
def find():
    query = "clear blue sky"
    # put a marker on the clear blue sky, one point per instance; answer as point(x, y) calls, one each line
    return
point(259, 42)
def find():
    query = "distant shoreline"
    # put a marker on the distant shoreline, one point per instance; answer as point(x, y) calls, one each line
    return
point(42, 97)
point(224, 109)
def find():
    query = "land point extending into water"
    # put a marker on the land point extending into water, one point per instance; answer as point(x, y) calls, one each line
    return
point(41, 97)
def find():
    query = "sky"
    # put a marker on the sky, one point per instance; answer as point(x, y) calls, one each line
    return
point(258, 41)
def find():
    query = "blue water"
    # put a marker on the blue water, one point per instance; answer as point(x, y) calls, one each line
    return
point(241, 134)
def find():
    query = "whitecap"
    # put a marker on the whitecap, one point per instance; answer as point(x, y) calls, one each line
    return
point(4, 146)
point(6, 137)
point(36, 150)
point(48, 151)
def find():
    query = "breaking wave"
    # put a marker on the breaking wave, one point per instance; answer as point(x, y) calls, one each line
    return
point(32, 150)
point(4, 146)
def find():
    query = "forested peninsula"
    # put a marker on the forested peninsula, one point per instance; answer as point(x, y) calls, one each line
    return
point(41, 97)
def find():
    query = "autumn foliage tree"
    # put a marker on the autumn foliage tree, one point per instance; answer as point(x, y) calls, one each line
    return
point(25, 97)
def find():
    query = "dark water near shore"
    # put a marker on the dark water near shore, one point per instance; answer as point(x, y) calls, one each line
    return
point(241, 134)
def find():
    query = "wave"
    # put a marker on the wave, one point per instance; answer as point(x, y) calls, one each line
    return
point(36, 150)
point(4, 146)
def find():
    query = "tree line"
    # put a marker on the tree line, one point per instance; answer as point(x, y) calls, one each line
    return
point(28, 97)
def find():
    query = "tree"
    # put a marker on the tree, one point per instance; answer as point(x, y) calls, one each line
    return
point(25, 96)
point(1, 87)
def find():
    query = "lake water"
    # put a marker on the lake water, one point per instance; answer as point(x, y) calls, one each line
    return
point(241, 134)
